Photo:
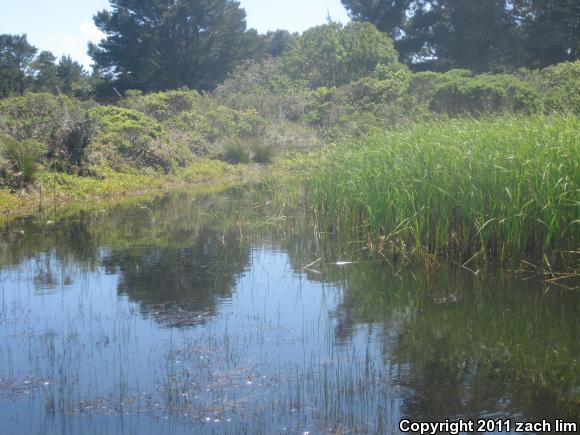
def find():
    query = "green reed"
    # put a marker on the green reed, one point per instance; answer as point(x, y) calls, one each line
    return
point(497, 189)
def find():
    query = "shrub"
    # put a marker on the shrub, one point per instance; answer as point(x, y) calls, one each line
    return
point(25, 155)
point(140, 139)
point(236, 152)
point(262, 153)
point(333, 55)
point(162, 105)
point(483, 94)
point(63, 124)
point(560, 86)
point(374, 90)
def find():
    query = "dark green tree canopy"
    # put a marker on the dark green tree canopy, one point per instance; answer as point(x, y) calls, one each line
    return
point(163, 44)
point(275, 42)
point(70, 74)
point(21, 70)
point(16, 54)
point(45, 73)
point(481, 35)
point(551, 30)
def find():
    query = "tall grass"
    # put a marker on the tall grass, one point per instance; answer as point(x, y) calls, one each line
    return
point(25, 155)
point(498, 188)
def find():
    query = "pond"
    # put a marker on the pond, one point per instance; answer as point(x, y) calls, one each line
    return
point(197, 313)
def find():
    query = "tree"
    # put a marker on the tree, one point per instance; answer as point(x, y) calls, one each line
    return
point(443, 34)
point(332, 55)
point(71, 75)
point(389, 16)
point(45, 73)
point(551, 30)
point(163, 44)
point(15, 57)
point(276, 42)
point(475, 34)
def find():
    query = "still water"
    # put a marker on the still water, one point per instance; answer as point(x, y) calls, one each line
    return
point(210, 313)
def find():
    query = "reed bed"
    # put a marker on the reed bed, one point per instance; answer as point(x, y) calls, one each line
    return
point(493, 189)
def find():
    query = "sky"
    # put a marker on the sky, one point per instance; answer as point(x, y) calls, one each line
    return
point(66, 26)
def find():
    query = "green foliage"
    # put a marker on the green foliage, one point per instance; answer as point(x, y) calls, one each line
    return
point(491, 35)
point(457, 93)
point(275, 42)
point(45, 73)
point(73, 79)
point(61, 123)
point(332, 55)
point(265, 88)
point(262, 153)
point(385, 86)
point(502, 188)
point(21, 71)
point(550, 31)
point(560, 85)
point(260, 110)
point(162, 105)
point(159, 45)
point(25, 155)
point(236, 151)
point(15, 57)
point(138, 138)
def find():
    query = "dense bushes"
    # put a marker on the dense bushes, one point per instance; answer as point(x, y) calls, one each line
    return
point(266, 106)
point(61, 123)
point(333, 55)
point(560, 86)
point(388, 94)
point(136, 137)
point(455, 94)
point(162, 105)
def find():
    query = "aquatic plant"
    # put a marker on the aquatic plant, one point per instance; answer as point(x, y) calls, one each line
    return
point(496, 188)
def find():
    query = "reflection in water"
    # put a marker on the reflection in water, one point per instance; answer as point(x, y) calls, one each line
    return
point(470, 347)
point(180, 286)
point(194, 314)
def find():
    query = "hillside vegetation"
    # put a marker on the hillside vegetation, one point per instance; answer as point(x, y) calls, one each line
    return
point(443, 163)
point(258, 112)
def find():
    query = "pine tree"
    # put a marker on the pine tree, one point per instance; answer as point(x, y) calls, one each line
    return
point(15, 57)
point(45, 73)
point(482, 35)
point(163, 44)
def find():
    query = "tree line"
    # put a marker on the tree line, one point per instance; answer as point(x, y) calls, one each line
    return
point(481, 35)
point(168, 44)
point(23, 69)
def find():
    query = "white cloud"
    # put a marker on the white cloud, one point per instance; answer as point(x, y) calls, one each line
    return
point(74, 45)
point(91, 31)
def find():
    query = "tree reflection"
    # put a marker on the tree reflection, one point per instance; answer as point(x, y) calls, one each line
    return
point(463, 345)
point(181, 286)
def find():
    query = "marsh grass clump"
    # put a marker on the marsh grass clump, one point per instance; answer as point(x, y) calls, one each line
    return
point(262, 153)
point(494, 189)
point(25, 157)
point(235, 151)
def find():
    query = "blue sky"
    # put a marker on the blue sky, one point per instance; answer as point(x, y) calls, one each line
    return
point(65, 26)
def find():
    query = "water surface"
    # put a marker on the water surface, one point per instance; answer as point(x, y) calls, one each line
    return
point(199, 314)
